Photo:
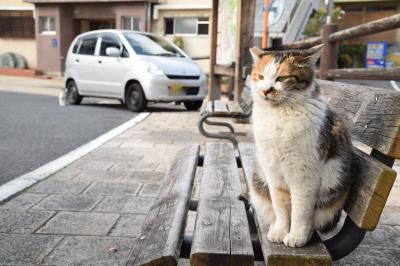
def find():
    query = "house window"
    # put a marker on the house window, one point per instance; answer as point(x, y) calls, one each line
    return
point(189, 26)
point(17, 24)
point(130, 23)
point(47, 25)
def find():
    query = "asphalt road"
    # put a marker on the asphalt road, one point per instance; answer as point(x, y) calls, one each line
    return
point(34, 129)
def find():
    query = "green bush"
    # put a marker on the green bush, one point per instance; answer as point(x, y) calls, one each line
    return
point(178, 40)
point(351, 56)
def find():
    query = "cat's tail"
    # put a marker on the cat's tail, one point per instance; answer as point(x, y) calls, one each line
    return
point(62, 96)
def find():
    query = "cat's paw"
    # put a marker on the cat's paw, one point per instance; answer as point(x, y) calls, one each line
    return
point(276, 233)
point(295, 240)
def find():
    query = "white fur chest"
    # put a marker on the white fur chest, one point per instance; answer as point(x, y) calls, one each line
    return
point(282, 132)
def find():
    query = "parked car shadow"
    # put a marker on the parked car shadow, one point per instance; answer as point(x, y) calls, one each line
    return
point(151, 107)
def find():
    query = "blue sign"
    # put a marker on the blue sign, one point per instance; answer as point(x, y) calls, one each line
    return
point(54, 42)
point(376, 55)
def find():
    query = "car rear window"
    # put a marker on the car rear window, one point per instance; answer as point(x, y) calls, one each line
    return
point(88, 45)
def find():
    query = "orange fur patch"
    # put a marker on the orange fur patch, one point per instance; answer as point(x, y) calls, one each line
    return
point(258, 67)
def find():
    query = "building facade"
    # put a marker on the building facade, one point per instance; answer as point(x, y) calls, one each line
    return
point(57, 22)
point(361, 11)
point(17, 32)
point(187, 21)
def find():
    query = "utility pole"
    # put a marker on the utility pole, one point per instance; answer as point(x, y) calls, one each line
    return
point(264, 38)
point(329, 9)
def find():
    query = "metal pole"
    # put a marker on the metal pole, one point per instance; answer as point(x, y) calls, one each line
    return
point(329, 9)
point(264, 40)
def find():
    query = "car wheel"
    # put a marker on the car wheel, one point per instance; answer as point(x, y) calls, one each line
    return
point(72, 94)
point(193, 105)
point(135, 99)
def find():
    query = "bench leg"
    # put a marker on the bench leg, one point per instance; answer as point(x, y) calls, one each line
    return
point(222, 135)
point(348, 239)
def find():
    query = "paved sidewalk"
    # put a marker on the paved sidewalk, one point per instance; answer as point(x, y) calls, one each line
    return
point(90, 212)
point(31, 85)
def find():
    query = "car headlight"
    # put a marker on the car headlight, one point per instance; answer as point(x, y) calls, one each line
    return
point(153, 69)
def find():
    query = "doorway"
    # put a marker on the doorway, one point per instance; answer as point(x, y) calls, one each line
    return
point(91, 24)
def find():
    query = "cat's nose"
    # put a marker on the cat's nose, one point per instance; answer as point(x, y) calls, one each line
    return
point(266, 92)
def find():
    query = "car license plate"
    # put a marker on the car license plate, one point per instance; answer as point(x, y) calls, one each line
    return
point(175, 89)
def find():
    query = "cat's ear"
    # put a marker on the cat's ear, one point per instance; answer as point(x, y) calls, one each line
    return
point(314, 53)
point(255, 53)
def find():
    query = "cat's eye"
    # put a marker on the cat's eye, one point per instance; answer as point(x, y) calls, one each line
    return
point(285, 78)
point(260, 77)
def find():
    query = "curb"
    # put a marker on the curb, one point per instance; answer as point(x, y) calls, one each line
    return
point(26, 180)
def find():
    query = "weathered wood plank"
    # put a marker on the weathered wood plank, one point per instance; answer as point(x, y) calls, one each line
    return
point(307, 43)
point(221, 234)
point(370, 190)
point(372, 114)
point(384, 24)
point(223, 107)
point(162, 232)
point(363, 73)
point(314, 253)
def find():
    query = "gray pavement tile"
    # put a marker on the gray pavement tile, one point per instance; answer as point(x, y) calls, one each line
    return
point(370, 257)
point(104, 188)
point(383, 237)
point(100, 175)
point(149, 190)
point(53, 186)
point(80, 223)
point(68, 202)
point(128, 225)
point(390, 216)
point(66, 173)
point(134, 165)
point(87, 250)
point(144, 176)
point(14, 221)
point(89, 164)
point(23, 201)
point(184, 262)
point(25, 249)
point(115, 154)
point(125, 205)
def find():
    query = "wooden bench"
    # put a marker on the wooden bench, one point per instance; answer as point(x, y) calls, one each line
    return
point(226, 232)
point(225, 109)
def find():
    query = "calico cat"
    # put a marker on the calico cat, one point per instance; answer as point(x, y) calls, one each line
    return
point(303, 148)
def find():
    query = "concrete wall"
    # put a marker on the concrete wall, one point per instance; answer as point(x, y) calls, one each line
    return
point(49, 58)
point(15, 3)
point(193, 45)
point(25, 47)
point(22, 46)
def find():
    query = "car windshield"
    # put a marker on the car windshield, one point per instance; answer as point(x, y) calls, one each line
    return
point(144, 44)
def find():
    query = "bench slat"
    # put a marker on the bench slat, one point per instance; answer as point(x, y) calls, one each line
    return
point(314, 253)
point(162, 232)
point(373, 114)
point(221, 234)
point(370, 191)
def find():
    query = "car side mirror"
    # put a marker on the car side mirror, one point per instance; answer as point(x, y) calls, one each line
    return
point(114, 52)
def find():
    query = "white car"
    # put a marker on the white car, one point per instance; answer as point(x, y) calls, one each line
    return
point(135, 67)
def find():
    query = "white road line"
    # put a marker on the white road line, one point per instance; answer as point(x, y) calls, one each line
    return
point(22, 182)
point(394, 85)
